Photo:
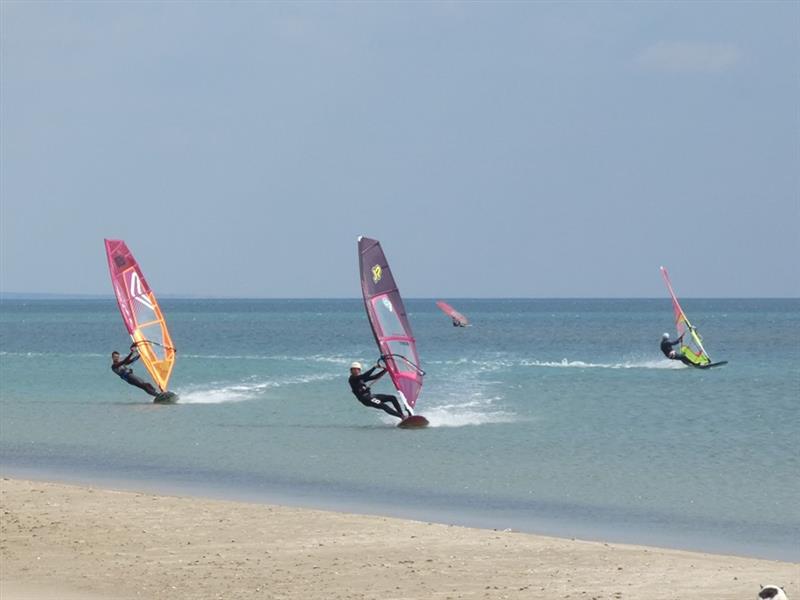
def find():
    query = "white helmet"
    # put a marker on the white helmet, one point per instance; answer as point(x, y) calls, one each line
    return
point(355, 365)
point(665, 336)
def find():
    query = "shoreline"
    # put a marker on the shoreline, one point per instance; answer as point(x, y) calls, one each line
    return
point(276, 494)
point(96, 543)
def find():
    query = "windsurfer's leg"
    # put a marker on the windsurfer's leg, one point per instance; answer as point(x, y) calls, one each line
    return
point(147, 387)
point(397, 411)
point(400, 407)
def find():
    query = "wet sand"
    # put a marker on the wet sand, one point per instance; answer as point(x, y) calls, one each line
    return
point(76, 542)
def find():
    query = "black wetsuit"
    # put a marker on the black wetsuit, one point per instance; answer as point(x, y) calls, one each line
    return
point(666, 347)
point(127, 375)
point(360, 389)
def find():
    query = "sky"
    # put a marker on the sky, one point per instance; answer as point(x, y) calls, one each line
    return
point(495, 149)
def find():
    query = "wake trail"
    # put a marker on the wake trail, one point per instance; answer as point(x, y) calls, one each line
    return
point(220, 393)
point(467, 414)
point(473, 413)
point(579, 364)
point(499, 364)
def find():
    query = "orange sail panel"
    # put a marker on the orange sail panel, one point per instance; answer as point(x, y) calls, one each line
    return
point(141, 313)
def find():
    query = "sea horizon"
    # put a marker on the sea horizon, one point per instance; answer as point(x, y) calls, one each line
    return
point(178, 296)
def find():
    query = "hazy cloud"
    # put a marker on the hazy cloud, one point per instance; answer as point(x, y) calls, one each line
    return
point(689, 56)
point(495, 149)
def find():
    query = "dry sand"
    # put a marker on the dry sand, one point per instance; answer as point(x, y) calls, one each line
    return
point(69, 542)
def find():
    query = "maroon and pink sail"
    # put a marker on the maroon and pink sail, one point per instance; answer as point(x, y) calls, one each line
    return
point(141, 313)
point(451, 312)
point(387, 316)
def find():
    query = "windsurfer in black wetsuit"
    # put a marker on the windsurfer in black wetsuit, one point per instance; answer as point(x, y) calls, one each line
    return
point(358, 385)
point(120, 367)
point(667, 349)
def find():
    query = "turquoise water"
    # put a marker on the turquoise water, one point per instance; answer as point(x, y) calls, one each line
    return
point(552, 416)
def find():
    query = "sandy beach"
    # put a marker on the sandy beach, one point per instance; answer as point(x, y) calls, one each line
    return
point(65, 541)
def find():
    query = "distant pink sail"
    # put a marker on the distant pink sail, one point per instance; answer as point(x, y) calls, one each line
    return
point(141, 313)
point(387, 316)
point(452, 313)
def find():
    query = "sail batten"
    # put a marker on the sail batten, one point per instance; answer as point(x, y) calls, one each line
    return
point(141, 313)
point(389, 321)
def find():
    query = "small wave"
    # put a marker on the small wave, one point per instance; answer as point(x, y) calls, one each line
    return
point(46, 354)
point(579, 364)
point(336, 359)
point(226, 357)
point(496, 363)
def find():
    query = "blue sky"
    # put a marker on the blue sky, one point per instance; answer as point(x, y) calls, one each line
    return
point(496, 149)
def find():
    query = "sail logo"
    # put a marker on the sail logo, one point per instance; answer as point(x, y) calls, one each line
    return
point(137, 290)
point(377, 273)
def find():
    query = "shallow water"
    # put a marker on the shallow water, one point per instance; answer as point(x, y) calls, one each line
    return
point(555, 416)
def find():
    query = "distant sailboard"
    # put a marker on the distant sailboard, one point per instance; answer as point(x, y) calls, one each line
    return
point(459, 320)
point(390, 326)
point(142, 316)
point(692, 345)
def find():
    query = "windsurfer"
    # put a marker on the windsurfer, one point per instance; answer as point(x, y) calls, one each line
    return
point(120, 367)
point(358, 384)
point(667, 349)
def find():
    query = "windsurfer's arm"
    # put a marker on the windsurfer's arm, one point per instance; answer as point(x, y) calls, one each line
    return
point(130, 358)
point(365, 376)
point(368, 376)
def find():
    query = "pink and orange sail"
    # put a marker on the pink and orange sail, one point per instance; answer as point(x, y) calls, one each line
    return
point(141, 313)
point(389, 321)
point(458, 318)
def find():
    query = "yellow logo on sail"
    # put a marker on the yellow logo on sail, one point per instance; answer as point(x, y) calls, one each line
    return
point(377, 272)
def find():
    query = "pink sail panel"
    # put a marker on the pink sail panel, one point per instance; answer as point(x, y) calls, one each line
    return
point(680, 316)
point(387, 316)
point(452, 313)
point(141, 313)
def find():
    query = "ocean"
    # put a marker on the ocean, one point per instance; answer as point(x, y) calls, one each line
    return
point(557, 417)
